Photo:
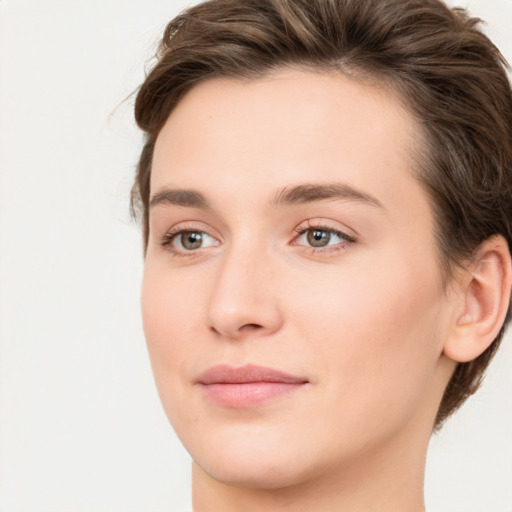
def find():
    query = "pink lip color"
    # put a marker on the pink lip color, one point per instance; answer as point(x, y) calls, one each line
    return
point(246, 386)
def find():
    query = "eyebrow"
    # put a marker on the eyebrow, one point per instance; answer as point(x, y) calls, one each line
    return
point(177, 197)
point(307, 193)
point(298, 194)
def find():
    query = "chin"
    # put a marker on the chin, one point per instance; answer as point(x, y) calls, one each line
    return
point(263, 462)
point(257, 474)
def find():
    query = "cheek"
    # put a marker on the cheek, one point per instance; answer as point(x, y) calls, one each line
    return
point(373, 333)
point(170, 309)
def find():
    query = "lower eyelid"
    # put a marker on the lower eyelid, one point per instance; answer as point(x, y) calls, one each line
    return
point(327, 251)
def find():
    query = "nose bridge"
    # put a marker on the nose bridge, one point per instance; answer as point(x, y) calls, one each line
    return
point(242, 298)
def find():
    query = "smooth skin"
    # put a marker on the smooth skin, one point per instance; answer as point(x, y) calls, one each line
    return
point(338, 282)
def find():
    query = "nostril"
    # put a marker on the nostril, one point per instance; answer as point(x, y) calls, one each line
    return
point(250, 327)
point(246, 328)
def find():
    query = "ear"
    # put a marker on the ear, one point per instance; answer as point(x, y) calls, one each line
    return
point(484, 289)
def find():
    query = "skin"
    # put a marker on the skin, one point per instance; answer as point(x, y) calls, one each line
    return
point(365, 319)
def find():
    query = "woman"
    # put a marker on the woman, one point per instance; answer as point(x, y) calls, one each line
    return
point(325, 192)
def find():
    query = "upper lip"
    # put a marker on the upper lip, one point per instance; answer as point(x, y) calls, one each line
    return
point(225, 374)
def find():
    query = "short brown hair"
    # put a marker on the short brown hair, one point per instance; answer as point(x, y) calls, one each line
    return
point(448, 73)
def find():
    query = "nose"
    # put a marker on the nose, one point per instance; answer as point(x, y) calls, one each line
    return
point(243, 300)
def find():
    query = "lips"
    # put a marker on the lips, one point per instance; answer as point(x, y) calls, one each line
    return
point(246, 386)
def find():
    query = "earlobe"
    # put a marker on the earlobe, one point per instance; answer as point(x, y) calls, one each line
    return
point(485, 288)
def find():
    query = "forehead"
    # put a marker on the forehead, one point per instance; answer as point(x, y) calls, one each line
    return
point(290, 127)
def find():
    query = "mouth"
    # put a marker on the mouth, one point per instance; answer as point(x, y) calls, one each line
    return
point(247, 386)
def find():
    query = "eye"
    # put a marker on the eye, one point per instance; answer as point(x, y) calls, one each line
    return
point(188, 240)
point(320, 237)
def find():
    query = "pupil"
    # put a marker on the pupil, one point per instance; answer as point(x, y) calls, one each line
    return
point(191, 240)
point(319, 238)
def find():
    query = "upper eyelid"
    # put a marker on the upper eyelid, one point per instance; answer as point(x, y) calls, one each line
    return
point(178, 228)
point(327, 225)
point(197, 226)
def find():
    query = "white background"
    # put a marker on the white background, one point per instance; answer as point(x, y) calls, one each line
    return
point(81, 427)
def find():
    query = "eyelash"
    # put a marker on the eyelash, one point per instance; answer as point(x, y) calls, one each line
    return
point(170, 236)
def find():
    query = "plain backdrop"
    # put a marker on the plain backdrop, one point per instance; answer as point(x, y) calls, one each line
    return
point(81, 426)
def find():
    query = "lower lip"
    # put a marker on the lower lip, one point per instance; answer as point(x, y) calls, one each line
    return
point(248, 394)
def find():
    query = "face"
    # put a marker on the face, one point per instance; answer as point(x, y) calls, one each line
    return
point(292, 299)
